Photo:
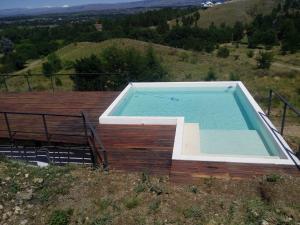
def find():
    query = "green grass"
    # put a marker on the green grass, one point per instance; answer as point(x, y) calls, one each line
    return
point(233, 11)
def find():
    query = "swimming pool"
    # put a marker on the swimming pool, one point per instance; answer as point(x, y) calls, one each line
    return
point(215, 120)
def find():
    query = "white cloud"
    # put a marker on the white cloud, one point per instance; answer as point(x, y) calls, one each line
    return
point(65, 6)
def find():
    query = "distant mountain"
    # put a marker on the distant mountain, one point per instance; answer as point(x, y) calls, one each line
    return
point(101, 7)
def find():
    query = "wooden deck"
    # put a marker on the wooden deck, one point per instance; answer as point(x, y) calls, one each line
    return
point(129, 147)
point(31, 127)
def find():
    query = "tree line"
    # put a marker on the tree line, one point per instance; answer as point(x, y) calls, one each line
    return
point(281, 27)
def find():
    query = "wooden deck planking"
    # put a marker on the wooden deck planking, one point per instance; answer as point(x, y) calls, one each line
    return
point(139, 147)
point(190, 171)
point(67, 103)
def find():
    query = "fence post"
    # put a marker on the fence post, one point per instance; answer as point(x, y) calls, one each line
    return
point(269, 102)
point(47, 136)
point(5, 84)
point(52, 84)
point(28, 83)
point(283, 118)
point(87, 139)
point(8, 127)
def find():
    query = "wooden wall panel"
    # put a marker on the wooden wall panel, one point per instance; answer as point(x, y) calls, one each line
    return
point(190, 171)
point(139, 147)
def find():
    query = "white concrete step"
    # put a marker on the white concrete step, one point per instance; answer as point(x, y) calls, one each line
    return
point(191, 139)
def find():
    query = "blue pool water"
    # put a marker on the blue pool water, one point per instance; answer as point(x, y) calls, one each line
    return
point(228, 125)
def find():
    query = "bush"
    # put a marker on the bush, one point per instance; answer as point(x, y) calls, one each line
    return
point(264, 60)
point(223, 52)
point(234, 77)
point(211, 75)
point(103, 220)
point(131, 203)
point(273, 178)
point(154, 206)
point(250, 54)
point(193, 212)
point(60, 217)
point(184, 57)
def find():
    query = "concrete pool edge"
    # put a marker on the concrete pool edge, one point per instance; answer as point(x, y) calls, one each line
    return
point(105, 118)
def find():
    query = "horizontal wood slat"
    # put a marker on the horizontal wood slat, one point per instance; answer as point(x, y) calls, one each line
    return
point(190, 171)
point(139, 147)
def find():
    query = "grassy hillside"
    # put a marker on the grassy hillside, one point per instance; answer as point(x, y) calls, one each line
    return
point(233, 11)
point(78, 195)
point(184, 65)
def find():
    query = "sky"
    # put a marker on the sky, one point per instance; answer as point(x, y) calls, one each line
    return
point(9, 4)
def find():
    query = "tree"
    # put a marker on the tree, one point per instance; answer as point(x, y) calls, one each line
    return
point(211, 75)
point(163, 27)
point(47, 69)
point(89, 81)
point(264, 60)
point(196, 17)
point(53, 65)
point(223, 52)
point(7, 46)
point(116, 67)
point(238, 31)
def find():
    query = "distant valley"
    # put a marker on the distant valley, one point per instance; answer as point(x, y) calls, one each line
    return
point(105, 8)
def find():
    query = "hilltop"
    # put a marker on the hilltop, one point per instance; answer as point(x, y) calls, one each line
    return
point(233, 11)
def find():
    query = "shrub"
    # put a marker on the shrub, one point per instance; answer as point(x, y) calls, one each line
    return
point(193, 189)
point(60, 217)
point(264, 60)
point(255, 212)
point(131, 202)
point(58, 81)
point(184, 57)
point(234, 77)
point(211, 75)
point(193, 212)
point(154, 206)
point(103, 220)
point(250, 54)
point(140, 188)
point(223, 52)
point(273, 177)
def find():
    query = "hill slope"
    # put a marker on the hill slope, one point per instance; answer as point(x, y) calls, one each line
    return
point(233, 11)
point(78, 195)
point(187, 65)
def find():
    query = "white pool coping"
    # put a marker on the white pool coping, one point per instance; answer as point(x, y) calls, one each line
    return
point(105, 118)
